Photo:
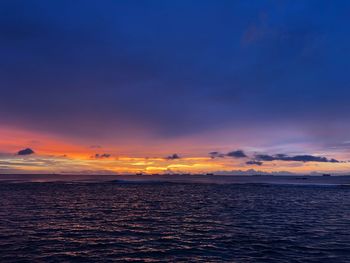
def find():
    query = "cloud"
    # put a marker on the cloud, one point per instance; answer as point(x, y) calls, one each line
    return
point(233, 154)
point(264, 157)
point(296, 158)
point(254, 163)
point(101, 156)
point(172, 157)
point(237, 154)
point(26, 151)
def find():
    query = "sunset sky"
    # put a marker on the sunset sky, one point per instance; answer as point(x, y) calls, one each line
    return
point(180, 86)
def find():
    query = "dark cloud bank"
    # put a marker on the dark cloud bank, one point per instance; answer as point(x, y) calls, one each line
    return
point(258, 159)
point(296, 158)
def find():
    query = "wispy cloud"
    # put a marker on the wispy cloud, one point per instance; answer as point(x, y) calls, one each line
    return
point(214, 155)
point(96, 146)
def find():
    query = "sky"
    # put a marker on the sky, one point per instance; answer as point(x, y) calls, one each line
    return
point(185, 86)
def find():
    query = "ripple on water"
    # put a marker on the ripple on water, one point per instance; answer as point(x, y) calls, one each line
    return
point(101, 222)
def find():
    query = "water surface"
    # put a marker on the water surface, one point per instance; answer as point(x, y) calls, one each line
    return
point(78, 221)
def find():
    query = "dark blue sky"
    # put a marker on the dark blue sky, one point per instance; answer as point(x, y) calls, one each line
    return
point(170, 69)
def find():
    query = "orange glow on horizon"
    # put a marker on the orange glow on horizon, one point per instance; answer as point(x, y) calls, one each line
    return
point(58, 155)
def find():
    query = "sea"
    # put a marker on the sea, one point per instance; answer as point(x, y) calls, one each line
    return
point(61, 218)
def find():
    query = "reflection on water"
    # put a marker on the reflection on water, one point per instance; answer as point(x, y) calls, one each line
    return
point(164, 222)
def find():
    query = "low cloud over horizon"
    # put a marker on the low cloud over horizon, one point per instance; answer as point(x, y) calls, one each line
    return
point(26, 151)
point(233, 154)
point(296, 158)
point(258, 159)
point(254, 163)
point(174, 156)
point(185, 163)
point(101, 156)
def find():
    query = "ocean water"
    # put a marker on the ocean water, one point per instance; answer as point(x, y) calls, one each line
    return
point(155, 221)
